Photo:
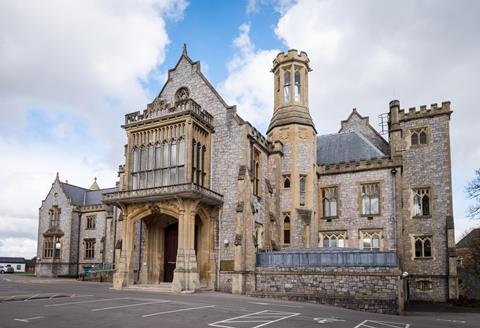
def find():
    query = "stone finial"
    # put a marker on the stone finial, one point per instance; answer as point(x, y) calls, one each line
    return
point(58, 176)
point(94, 185)
point(184, 50)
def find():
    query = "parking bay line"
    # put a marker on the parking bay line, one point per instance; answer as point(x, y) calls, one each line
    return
point(85, 302)
point(252, 316)
point(129, 305)
point(180, 310)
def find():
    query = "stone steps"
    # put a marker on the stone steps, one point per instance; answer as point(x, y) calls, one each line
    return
point(163, 287)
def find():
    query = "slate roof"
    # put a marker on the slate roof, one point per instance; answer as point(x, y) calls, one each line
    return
point(12, 260)
point(467, 240)
point(82, 196)
point(345, 147)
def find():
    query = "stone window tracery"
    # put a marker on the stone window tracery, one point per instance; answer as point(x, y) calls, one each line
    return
point(329, 201)
point(371, 240)
point(370, 198)
point(423, 246)
point(89, 245)
point(48, 245)
point(54, 216)
point(418, 136)
point(159, 164)
point(182, 94)
point(333, 239)
point(91, 222)
point(286, 230)
point(424, 285)
point(421, 202)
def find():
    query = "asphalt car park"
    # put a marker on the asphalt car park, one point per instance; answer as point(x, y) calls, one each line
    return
point(37, 302)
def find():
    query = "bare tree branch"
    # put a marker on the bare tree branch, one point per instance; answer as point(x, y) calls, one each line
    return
point(473, 192)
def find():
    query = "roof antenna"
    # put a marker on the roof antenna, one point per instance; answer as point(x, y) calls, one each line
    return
point(184, 52)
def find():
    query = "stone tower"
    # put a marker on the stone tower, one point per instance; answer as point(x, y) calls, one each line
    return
point(293, 167)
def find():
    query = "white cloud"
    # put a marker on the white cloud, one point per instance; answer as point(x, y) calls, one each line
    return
point(249, 81)
point(84, 60)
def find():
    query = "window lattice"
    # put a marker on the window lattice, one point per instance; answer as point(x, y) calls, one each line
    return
point(371, 199)
point(333, 239)
point(91, 222)
point(421, 202)
point(89, 248)
point(371, 240)
point(329, 201)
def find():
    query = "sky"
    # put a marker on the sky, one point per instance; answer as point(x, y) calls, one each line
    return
point(71, 70)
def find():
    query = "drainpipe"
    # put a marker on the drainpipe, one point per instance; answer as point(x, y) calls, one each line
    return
point(114, 235)
point(78, 242)
point(219, 247)
point(394, 197)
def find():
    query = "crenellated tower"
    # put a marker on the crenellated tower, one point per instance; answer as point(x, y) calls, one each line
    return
point(293, 167)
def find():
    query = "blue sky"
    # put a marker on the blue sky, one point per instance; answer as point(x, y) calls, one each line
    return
point(69, 74)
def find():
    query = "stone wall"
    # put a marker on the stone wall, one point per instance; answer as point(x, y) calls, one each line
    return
point(359, 288)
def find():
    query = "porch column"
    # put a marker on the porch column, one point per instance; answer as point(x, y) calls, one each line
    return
point(185, 276)
point(124, 275)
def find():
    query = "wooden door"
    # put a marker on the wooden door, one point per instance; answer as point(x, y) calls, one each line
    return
point(171, 245)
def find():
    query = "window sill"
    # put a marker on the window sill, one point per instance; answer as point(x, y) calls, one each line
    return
point(422, 217)
point(425, 258)
point(369, 215)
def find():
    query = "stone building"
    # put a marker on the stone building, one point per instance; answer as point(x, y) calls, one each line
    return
point(203, 195)
point(75, 230)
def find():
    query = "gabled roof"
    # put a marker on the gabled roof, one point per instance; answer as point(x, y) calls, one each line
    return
point(469, 238)
point(345, 147)
point(82, 196)
point(12, 260)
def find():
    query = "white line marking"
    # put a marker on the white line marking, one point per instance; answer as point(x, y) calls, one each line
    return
point(128, 305)
point(382, 323)
point(455, 321)
point(180, 310)
point(28, 319)
point(84, 302)
point(275, 304)
point(264, 313)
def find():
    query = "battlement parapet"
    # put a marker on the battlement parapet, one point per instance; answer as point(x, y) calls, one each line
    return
point(289, 56)
point(399, 115)
point(360, 165)
point(258, 137)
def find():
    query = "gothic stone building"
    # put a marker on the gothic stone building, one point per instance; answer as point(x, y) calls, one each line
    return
point(203, 194)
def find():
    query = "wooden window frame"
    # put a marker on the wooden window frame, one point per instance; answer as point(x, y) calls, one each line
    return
point(360, 198)
point(371, 232)
point(426, 191)
point(89, 248)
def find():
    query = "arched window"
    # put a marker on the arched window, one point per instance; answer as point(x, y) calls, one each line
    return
point(302, 190)
point(135, 159)
point(423, 246)
point(286, 230)
point(286, 86)
point(182, 94)
point(421, 202)
point(371, 240)
point(278, 83)
point(329, 198)
point(414, 138)
point(199, 162)
point(173, 162)
point(286, 181)
point(181, 161)
point(204, 171)
point(297, 86)
point(423, 138)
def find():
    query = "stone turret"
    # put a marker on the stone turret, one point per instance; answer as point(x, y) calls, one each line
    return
point(291, 90)
point(294, 172)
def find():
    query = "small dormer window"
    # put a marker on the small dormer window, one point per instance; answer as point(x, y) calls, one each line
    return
point(286, 86)
point(297, 86)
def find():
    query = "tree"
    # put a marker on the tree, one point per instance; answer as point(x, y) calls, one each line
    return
point(473, 192)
